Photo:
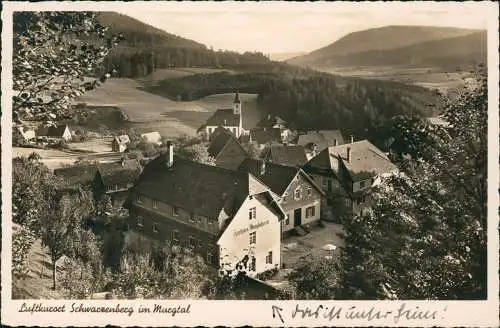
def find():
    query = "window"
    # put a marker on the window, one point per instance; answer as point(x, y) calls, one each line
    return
point(155, 204)
point(269, 258)
point(310, 211)
point(252, 265)
point(253, 237)
point(192, 218)
point(252, 213)
point(298, 193)
point(175, 236)
point(140, 221)
point(209, 130)
point(139, 199)
point(210, 257)
point(362, 184)
point(287, 219)
point(192, 242)
point(175, 211)
point(155, 227)
point(309, 191)
point(200, 245)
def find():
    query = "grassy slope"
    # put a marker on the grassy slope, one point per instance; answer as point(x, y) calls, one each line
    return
point(148, 112)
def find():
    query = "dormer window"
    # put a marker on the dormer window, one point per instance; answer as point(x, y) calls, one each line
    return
point(155, 204)
point(175, 211)
point(139, 199)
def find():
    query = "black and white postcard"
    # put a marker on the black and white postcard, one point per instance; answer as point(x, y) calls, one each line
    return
point(250, 164)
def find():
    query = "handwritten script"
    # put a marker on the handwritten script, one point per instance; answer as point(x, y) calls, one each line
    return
point(400, 313)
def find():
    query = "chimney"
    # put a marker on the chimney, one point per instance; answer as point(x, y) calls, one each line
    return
point(122, 162)
point(262, 167)
point(170, 154)
point(348, 154)
point(225, 122)
point(352, 138)
point(335, 142)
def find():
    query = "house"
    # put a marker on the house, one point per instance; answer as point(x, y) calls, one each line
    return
point(349, 171)
point(152, 137)
point(114, 179)
point(55, 133)
point(276, 122)
point(119, 143)
point(316, 141)
point(226, 150)
point(80, 174)
point(300, 197)
point(265, 136)
point(228, 217)
point(291, 155)
point(230, 119)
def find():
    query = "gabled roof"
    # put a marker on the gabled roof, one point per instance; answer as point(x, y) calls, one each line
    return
point(224, 117)
point(219, 142)
point(322, 139)
point(291, 155)
point(271, 121)
point(264, 136)
point(366, 160)
point(52, 131)
point(197, 188)
point(113, 173)
point(77, 174)
point(153, 137)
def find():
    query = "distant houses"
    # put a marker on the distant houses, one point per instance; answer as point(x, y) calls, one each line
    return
point(316, 141)
point(265, 136)
point(119, 143)
point(226, 150)
point(57, 133)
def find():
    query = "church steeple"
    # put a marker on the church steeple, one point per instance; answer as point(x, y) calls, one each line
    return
point(237, 104)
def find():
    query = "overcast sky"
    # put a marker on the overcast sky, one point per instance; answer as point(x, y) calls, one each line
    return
point(295, 27)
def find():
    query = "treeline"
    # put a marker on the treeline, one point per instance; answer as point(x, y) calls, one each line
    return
point(311, 100)
point(138, 62)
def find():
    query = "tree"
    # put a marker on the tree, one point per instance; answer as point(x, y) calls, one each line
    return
point(22, 240)
point(61, 224)
point(53, 54)
point(425, 237)
point(316, 279)
point(31, 192)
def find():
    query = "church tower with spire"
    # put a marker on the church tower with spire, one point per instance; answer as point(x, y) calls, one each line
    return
point(237, 104)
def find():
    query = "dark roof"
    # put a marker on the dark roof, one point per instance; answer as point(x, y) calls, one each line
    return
point(125, 171)
point(198, 188)
point(366, 160)
point(237, 99)
point(322, 139)
point(277, 177)
point(219, 142)
point(224, 117)
point(77, 174)
point(52, 131)
point(291, 155)
point(271, 121)
point(264, 136)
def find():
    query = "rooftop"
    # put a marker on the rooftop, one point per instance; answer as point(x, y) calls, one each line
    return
point(264, 136)
point(220, 139)
point(291, 155)
point(322, 139)
point(82, 174)
point(114, 173)
point(224, 117)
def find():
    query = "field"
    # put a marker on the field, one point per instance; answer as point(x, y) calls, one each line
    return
point(428, 77)
point(148, 112)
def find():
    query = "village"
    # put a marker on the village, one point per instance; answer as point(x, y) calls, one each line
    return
point(260, 213)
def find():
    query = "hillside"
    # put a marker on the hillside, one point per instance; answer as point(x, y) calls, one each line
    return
point(147, 49)
point(138, 33)
point(392, 45)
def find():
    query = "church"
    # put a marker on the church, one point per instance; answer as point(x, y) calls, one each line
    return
point(228, 118)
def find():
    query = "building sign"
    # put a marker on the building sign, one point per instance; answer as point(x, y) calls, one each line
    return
point(251, 227)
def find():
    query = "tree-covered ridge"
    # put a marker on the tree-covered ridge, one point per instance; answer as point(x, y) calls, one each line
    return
point(311, 100)
point(146, 49)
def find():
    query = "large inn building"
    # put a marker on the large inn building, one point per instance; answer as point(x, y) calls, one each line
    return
point(230, 218)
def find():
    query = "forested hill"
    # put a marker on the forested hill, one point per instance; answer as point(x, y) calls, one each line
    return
point(312, 100)
point(399, 45)
point(147, 48)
